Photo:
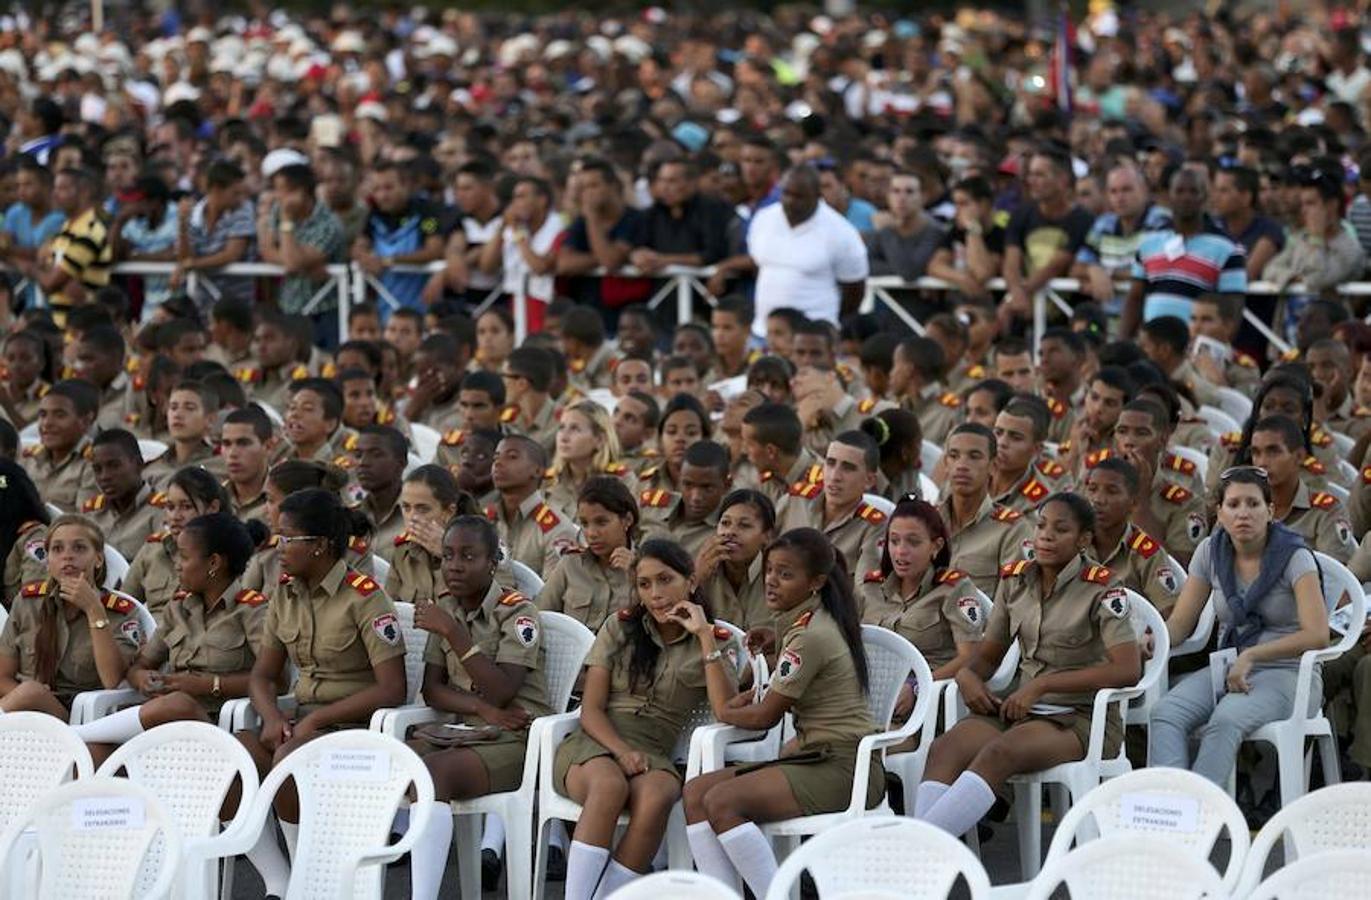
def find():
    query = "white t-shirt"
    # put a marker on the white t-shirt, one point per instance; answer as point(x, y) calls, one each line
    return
point(478, 234)
point(540, 287)
point(801, 267)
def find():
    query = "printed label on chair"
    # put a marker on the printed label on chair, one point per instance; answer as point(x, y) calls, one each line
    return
point(1163, 812)
point(92, 813)
point(355, 765)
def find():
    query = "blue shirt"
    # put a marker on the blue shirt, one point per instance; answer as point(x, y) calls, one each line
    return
point(401, 235)
point(1178, 269)
point(859, 213)
point(27, 233)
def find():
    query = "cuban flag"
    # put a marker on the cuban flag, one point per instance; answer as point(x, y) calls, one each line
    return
point(1059, 74)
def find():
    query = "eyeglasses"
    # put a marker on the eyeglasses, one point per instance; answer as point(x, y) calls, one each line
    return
point(511, 376)
point(295, 539)
point(1228, 473)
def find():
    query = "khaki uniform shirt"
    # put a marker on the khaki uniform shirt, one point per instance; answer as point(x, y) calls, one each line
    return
point(254, 508)
point(1359, 504)
point(1141, 565)
point(1181, 511)
point(1038, 482)
point(657, 477)
point(640, 458)
point(115, 402)
point(506, 629)
point(939, 411)
point(594, 373)
point(158, 473)
point(858, 535)
point(845, 416)
point(334, 634)
point(152, 574)
point(808, 468)
point(27, 560)
point(1071, 628)
point(541, 426)
point(27, 404)
point(1193, 431)
point(1317, 468)
point(125, 532)
point(219, 639)
point(1349, 419)
point(443, 417)
point(536, 535)
point(561, 492)
point(64, 484)
point(966, 374)
point(586, 589)
point(941, 614)
point(76, 670)
point(271, 386)
point(981, 546)
point(1241, 372)
point(415, 574)
point(744, 606)
point(264, 569)
point(389, 525)
point(1323, 521)
point(664, 517)
point(815, 671)
point(1063, 417)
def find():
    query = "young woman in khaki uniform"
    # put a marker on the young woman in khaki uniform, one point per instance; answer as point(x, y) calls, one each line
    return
point(284, 479)
point(730, 563)
point(484, 662)
point(587, 445)
point(428, 499)
point(651, 664)
point(821, 679)
point(591, 583)
point(65, 634)
point(1071, 618)
point(684, 421)
point(339, 630)
point(152, 574)
point(207, 637)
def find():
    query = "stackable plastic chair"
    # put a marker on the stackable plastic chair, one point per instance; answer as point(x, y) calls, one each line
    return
point(1129, 867)
point(884, 504)
point(1235, 403)
point(676, 885)
point(525, 579)
point(1218, 421)
point(116, 567)
point(1338, 875)
point(883, 855)
point(425, 441)
point(88, 706)
point(1330, 819)
point(95, 837)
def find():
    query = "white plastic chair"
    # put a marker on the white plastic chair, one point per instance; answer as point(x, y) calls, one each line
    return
point(676, 885)
point(116, 567)
point(929, 455)
point(880, 855)
point(1190, 454)
point(272, 413)
point(1339, 875)
point(1234, 402)
point(884, 504)
point(88, 706)
point(1199, 638)
point(928, 488)
point(425, 441)
point(190, 767)
point(525, 579)
point(1342, 443)
point(94, 837)
point(1288, 736)
point(1347, 474)
point(150, 449)
point(380, 569)
point(350, 784)
point(416, 639)
point(1129, 867)
point(1219, 422)
point(1337, 490)
point(1073, 780)
point(1329, 819)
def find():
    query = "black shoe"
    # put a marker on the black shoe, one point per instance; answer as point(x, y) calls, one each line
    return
point(491, 867)
point(556, 864)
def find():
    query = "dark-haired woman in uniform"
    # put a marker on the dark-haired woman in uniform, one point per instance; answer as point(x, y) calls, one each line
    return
point(821, 679)
point(730, 563)
point(1071, 619)
point(339, 630)
point(152, 577)
point(429, 498)
point(284, 479)
point(207, 636)
point(590, 583)
point(652, 663)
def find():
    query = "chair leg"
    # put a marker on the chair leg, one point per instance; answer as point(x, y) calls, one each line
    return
point(539, 858)
point(518, 862)
point(677, 846)
point(466, 835)
point(1028, 817)
point(226, 881)
point(1328, 758)
point(1291, 769)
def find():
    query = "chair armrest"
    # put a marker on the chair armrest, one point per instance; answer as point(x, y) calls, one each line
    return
point(709, 744)
point(1094, 750)
point(396, 721)
point(238, 715)
point(1304, 681)
point(91, 705)
point(551, 731)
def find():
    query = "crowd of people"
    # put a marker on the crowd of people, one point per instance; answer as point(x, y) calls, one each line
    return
point(783, 462)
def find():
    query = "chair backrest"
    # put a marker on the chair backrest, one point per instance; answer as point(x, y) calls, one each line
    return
point(416, 639)
point(929, 454)
point(380, 569)
point(703, 713)
point(1144, 617)
point(37, 753)
point(928, 488)
point(1189, 811)
point(1219, 421)
point(889, 660)
point(94, 837)
point(1337, 581)
point(1204, 629)
point(878, 854)
point(1235, 403)
point(884, 504)
point(678, 885)
point(1342, 443)
point(1128, 867)
point(1336, 875)
point(147, 622)
point(150, 449)
point(566, 642)
point(1338, 490)
point(1337, 817)
point(350, 784)
point(116, 567)
point(425, 441)
point(525, 579)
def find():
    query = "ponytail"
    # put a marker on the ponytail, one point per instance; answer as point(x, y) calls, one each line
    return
point(822, 558)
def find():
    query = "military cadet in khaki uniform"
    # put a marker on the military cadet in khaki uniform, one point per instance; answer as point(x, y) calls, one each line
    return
point(125, 530)
point(586, 588)
point(1322, 519)
point(1020, 479)
point(264, 570)
point(1138, 559)
point(203, 453)
point(983, 535)
point(531, 531)
point(691, 517)
point(742, 604)
point(1277, 446)
point(60, 465)
point(836, 508)
point(595, 372)
point(938, 410)
point(941, 614)
point(28, 558)
point(773, 442)
point(827, 409)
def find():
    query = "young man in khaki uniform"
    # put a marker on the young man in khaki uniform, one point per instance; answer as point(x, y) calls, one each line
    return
point(60, 463)
point(1277, 446)
point(1020, 478)
point(438, 366)
point(836, 508)
point(275, 350)
point(984, 535)
point(100, 361)
point(528, 374)
point(1113, 489)
point(773, 441)
point(245, 446)
point(690, 517)
point(826, 408)
point(382, 454)
point(191, 409)
point(123, 509)
point(1217, 317)
point(916, 380)
point(532, 532)
point(589, 355)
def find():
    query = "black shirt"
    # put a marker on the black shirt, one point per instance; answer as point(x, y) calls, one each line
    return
point(702, 228)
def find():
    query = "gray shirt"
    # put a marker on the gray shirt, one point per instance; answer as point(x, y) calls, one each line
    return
point(892, 253)
point(1277, 610)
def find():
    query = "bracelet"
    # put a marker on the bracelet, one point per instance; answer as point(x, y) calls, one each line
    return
point(470, 653)
point(216, 689)
point(98, 624)
point(286, 227)
point(713, 656)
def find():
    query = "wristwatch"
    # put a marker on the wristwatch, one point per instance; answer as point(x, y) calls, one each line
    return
point(216, 687)
point(714, 656)
point(99, 624)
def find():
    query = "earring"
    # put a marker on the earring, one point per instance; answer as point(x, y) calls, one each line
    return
point(214, 571)
point(318, 552)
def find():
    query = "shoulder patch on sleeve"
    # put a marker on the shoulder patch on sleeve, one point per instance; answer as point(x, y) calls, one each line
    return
point(1051, 469)
point(866, 406)
point(1056, 407)
point(804, 619)
point(509, 413)
point(249, 597)
point(1115, 600)
point(1033, 490)
point(358, 545)
point(875, 576)
point(34, 588)
point(871, 514)
point(158, 499)
point(156, 537)
point(1094, 459)
point(1009, 570)
point(1005, 514)
point(94, 504)
point(1321, 500)
point(121, 605)
point(454, 437)
point(1097, 574)
point(1143, 545)
point(1231, 439)
point(807, 490)
point(545, 518)
point(402, 538)
point(1174, 493)
point(360, 583)
point(299, 372)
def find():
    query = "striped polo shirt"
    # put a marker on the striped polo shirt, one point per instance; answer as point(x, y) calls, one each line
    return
point(83, 249)
point(1176, 269)
point(1106, 245)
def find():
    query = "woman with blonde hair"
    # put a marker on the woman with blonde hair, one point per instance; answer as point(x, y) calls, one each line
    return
point(587, 445)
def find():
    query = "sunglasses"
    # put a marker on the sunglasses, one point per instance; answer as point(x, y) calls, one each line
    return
point(1227, 474)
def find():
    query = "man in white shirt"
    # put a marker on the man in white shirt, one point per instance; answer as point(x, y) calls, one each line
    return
point(808, 256)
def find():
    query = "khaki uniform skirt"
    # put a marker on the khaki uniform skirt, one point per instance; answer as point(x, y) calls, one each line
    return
point(1077, 722)
point(646, 736)
point(820, 776)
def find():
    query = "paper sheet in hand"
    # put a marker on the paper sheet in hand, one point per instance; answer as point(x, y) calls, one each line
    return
point(1049, 709)
point(1219, 663)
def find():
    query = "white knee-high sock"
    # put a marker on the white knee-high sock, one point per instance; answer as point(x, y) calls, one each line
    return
point(927, 794)
point(965, 803)
point(114, 728)
point(493, 834)
point(291, 832)
point(751, 854)
point(616, 876)
point(710, 858)
point(428, 859)
point(584, 865)
point(266, 857)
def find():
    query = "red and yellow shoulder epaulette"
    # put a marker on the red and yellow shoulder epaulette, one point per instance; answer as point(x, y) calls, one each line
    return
point(950, 400)
point(132, 418)
point(1361, 412)
point(299, 373)
point(454, 437)
point(977, 372)
point(1231, 439)
point(577, 366)
point(656, 499)
point(35, 588)
point(1096, 457)
point(814, 474)
point(1056, 407)
point(1143, 545)
point(1015, 568)
point(272, 541)
point(43, 389)
point(873, 577)
point(156, 537)
point(1291, 355)
point(871, 514)
point(844, 371)
point(803, 620)
point(385, 416)
point(1033, 490)
point(358, 545)
point(121, 605)
point(1313, 466)
point(651, 471)
point(350, 442)
point(1064, 447)
point(1179, 463)
point(180, 595)
point(249, 597)
point(1005, 514)
point(806, 489)
point(867, 405)
point(362, 584)
point(344, 461)
point(1097, 575)
point(1320, 438)
point(1244, 360)
point(89, 452)
point(545, 517)
point(1051, 469)
point(1366, 475)
point(329, 370)
point(402, 538)
point(158, 499)
point(249, 374)
point(284, 579)
point(33, 450)
point(509, 413)
point(722, 634)
point(94, 504)
point(950, 576)
point(512, 598)
point(140, 382)
point(617, 469)
point(492, 513)
point(766, 476)
point(27, 527)
point(1174, 493)
point(133, 363)
point(1322, 500)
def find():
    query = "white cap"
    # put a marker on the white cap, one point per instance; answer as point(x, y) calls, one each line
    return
point(349, 42)
point(278, 159)
point(632, 47)
point(370, 109)
point(181, 90)
point(199, 35)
